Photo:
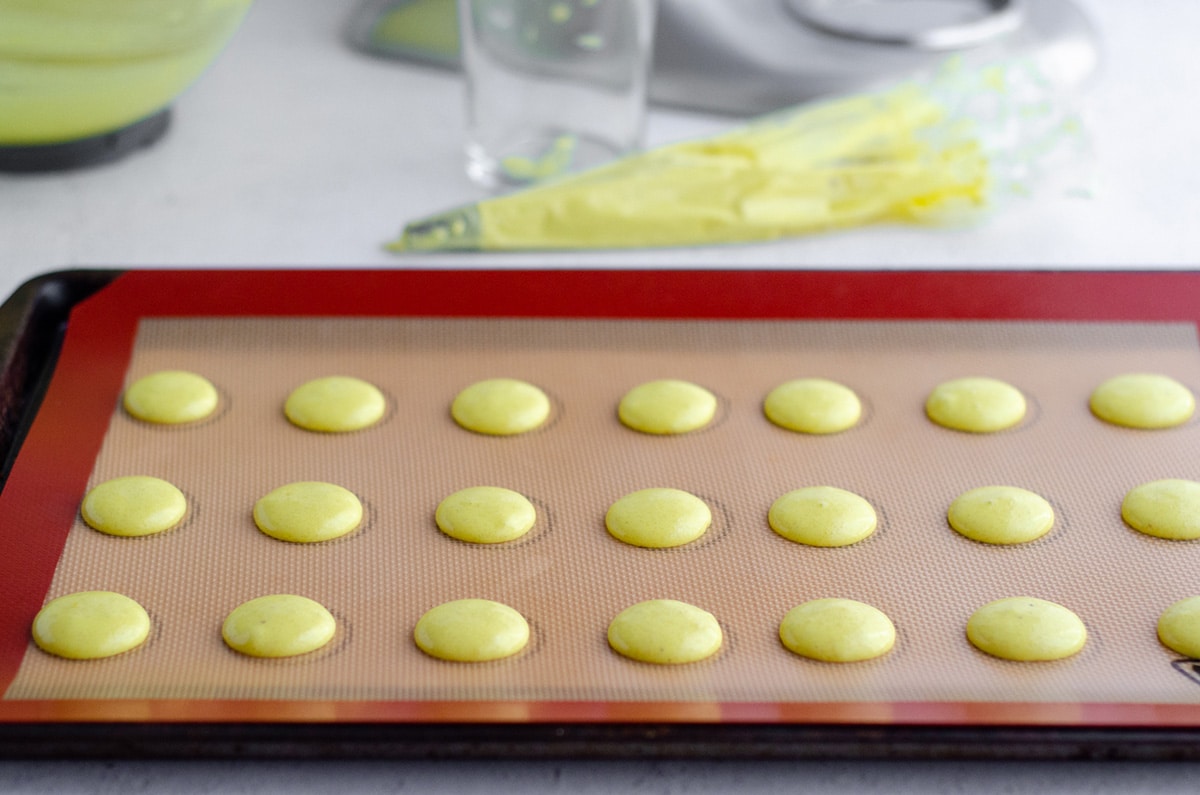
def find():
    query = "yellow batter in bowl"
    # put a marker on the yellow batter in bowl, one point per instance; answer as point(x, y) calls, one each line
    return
point(72, 69)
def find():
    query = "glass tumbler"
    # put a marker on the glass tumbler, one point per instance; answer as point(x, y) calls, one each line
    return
point(553, 86)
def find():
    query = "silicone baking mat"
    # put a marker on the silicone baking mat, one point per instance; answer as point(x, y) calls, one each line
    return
point(585, 338)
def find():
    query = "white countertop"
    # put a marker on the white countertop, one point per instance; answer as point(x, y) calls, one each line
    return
point(295, 150)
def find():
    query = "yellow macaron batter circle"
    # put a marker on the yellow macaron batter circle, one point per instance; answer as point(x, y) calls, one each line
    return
point(1168, 508)
point(500, 407)
point(1179, 627)
point(1001, 515)
point(975, 405)
point(665, 632)
point(485, 515)
point(666, 407)
point(1026, 629)
point(136, 505)
point(1143, 400)
point(278, 625)
point(335, 404)
point(837, 630)
point(471, 630)
point(89, 625)
point(308, 512)
point(171, 397)
point(813, 405)
point(822, 516)
point(658, 518)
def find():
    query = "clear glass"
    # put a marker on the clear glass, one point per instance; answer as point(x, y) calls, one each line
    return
point(553, 86)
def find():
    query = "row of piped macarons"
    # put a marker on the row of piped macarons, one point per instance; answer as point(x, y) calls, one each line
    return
point(655, 518)
point(99, 624)
point(507, 406)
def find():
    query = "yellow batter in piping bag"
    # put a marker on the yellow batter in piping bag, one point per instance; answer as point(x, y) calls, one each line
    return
point(923, 152)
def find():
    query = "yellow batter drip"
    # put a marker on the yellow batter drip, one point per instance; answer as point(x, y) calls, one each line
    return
point(90, 624)
point(658, 518)
point(308, 512)
point(837, 630)
point(1001, 515)
point(822, 516)
point(976, 405)
point(667, 407)
point(1164, 508)
point(485, 515)
point(1179, 627)
point(1143, 400)
point(171, 397)
point(813, 405)
point(471, 630)
point(501, 407)
point(335, 404)
point(1026, 629)
point(665, 632)
point(279, 625)
point(134, 506)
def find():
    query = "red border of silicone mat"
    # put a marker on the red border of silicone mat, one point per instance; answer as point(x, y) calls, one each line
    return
point(40, 499)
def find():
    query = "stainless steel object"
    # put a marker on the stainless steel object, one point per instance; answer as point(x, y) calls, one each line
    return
point(748, 57)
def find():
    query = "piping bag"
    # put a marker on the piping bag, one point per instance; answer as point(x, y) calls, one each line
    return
point(941, 150)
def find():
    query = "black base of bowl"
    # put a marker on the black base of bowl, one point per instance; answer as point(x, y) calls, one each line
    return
point(103, 148)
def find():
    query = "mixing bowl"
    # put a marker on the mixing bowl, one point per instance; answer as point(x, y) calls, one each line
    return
point(85, 80)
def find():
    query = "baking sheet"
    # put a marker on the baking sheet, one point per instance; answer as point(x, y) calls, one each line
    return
point(569, 577)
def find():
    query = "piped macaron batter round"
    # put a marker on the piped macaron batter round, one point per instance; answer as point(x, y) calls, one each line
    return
point(89, 625)
point(837, 630)
point(500, 407)
point(658, 518)
point(976, 405)
point(278, 625)
point(1168, 508)
point(1179, 627)
point(137, 505)
point(1026, 629)
point(1001, 515)
point(813, 405)
point(471, 630)
point(822, 516)
point(1143, 400)
point(667, 407)
point(308, 512)
point(485, 515)
point(335, 404)
point(666, 632)
point(171, 397)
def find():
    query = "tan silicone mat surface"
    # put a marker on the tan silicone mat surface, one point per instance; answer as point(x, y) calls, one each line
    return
point(569, 578)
